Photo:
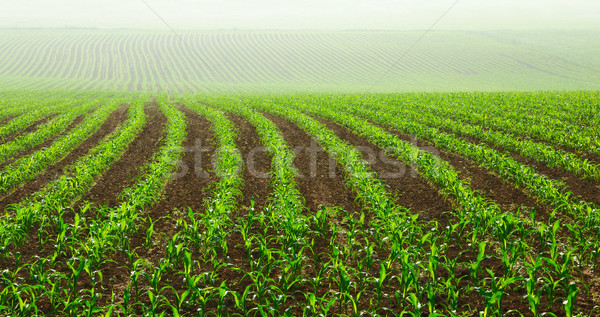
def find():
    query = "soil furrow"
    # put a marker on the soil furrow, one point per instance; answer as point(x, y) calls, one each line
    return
point(32, 127)
point(46, 143)
point(187, 189)
point(490, 185)
point(5, 120)
point(122, 174)
point(190, 185)
point(409, 189)
point(257, 164)
point(584, 189)
point(321, 180)
point(113, 121)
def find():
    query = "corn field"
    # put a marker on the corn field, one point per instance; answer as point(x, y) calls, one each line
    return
point(417, 204)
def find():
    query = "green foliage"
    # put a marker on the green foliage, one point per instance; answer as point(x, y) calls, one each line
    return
point(479, 258)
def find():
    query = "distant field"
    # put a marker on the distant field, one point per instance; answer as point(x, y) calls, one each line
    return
point(296, 61)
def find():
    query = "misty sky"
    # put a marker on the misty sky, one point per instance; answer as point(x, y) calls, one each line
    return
point(304, 14)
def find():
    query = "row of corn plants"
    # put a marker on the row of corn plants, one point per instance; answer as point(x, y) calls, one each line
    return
point(481, 218)
point(21, 122)
point(549, 191)
point(540, 152)
point(355, 244)
point(59, 194)
point(198, 249)
point(565, 113)
point(22, 103)
point(43, 133)
point(568, 112)
point(27, 167)
point(277, 237)
point(578, 139)
point(286, 204)
point(225, 192)
point(555, 111)
point(90, 240)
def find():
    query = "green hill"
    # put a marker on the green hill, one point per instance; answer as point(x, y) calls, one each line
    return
point(275, 61)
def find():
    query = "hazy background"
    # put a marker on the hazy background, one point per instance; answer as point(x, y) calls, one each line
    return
point(305, 14)
point(280, 46)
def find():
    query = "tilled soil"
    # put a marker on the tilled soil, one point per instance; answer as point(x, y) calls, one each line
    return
point(190, 185)
point(188, 188)
point(46, 143)
point(123, 173)
point(407, 187)
point(582, 188)
point(257, 165)
point(28, 129)
point(112, 122)
point(321, 180)
point(5, 120)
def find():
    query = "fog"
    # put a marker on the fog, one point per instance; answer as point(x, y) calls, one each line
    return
point(305, 14)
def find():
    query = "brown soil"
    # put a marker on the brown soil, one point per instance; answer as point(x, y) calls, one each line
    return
point(4, 120)
point(53, 171)
point(490, 185)
point(28, 129)
point(257, 164)
point(190, 186)
point(409, 189)
point(584, 189)
point(187, 189)
point(319, 186)
point(123, 172)
point(46, 143)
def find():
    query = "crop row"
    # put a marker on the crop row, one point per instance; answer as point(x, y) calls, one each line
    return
point(87, 241)
point(481, 221)
point(540, 152)
point(285, 259)
point(580, 139)
point(65, 190)
point(27, 167)
point(42, 133)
